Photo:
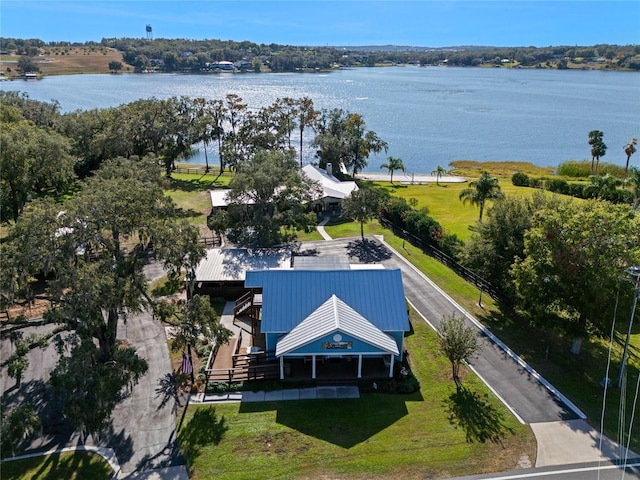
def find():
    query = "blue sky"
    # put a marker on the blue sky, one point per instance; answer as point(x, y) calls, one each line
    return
point(323, 22)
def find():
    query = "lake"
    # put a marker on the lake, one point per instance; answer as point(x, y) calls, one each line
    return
point(429, 116)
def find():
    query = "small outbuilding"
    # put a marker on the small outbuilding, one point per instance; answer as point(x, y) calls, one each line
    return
point(222, 272)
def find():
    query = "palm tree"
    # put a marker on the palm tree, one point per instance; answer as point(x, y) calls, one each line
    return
point(392, 165)
point(598, 149)
point(602, 186)
point(438, 172)
point(192, 321)
point(483, 189)
point(307, 116)
point(629, 149)
point(634, 181)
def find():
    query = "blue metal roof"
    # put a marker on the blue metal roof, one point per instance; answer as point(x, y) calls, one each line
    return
point(290, 296)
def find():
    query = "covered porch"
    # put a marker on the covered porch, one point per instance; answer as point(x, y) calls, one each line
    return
point(347, 368)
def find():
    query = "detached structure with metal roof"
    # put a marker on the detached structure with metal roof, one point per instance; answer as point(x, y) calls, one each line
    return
point(321, 323)
point(333, 190)
point(222, 272)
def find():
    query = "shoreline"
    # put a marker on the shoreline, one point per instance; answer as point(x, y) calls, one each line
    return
point(405, 179)
point(413, 179)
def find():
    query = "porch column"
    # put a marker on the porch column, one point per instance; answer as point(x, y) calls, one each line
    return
point(281, 368)
point(360, 366)
point(391, 366)
point(313, 367)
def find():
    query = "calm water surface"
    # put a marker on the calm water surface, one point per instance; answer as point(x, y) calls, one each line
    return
point(429, 116)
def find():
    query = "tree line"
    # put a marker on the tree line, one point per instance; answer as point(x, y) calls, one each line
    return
point(185, 55)
point(168, 130)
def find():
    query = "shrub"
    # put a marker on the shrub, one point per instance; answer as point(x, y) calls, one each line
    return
point(396, 210)
point(520, 179)
point(620, 196)
point(424, 227)
point(558, 185)
point(537, 182)
point(451, 245)
point(409, 384)
point(576, 190)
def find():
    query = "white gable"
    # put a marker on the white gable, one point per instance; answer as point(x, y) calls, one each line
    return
point(331, 186)
point(331, 316)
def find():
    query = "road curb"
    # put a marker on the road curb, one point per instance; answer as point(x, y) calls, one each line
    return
point(107, 454)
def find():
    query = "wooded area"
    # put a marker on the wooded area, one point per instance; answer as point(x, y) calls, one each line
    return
point(184, 55)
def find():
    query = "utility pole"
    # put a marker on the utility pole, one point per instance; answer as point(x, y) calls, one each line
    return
point(634, 274)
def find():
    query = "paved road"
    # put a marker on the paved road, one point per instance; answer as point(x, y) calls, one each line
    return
point(526, 396)
point(579, 471)
point(144, 423)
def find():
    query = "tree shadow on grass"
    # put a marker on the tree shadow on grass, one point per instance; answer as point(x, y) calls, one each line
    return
point(192, 185)
point(56, 432)
point(204, 428)
point(187, 213)
point(327, 419)
point(476, 416)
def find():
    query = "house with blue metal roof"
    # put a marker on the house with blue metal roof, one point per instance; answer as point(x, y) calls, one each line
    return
point(324, 324)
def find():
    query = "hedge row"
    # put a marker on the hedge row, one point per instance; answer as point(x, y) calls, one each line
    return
point(578, 190)
point(419, 224)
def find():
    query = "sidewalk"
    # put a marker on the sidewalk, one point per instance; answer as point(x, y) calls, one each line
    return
point(311, 393)
point(574, 441)
point(321, 229)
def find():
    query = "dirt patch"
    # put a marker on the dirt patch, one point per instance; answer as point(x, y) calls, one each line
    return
point(284, 444)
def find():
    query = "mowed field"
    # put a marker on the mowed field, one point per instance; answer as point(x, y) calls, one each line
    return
point(442, 204)
point(68, 61)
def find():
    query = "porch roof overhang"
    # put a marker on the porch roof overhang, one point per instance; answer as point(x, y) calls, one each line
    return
point(332, 316)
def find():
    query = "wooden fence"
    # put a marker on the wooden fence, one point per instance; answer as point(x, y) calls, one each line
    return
point(482, 284)
point(214, 171)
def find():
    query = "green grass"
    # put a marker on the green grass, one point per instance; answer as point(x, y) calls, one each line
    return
point(443, 203)
point(338, 228)
point(64, 466)
point(190, 192)
point(472, 169)
point(435, 433)
point(582, 169)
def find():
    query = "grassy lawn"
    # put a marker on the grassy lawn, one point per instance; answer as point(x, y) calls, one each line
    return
point(190, 192)
point(503, 169)
point(338, 228)
point(64, 466)
point(437, 432)
point(443, 204)
point(70, 61)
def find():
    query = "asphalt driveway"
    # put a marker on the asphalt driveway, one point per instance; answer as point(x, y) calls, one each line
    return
point(523, 393)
